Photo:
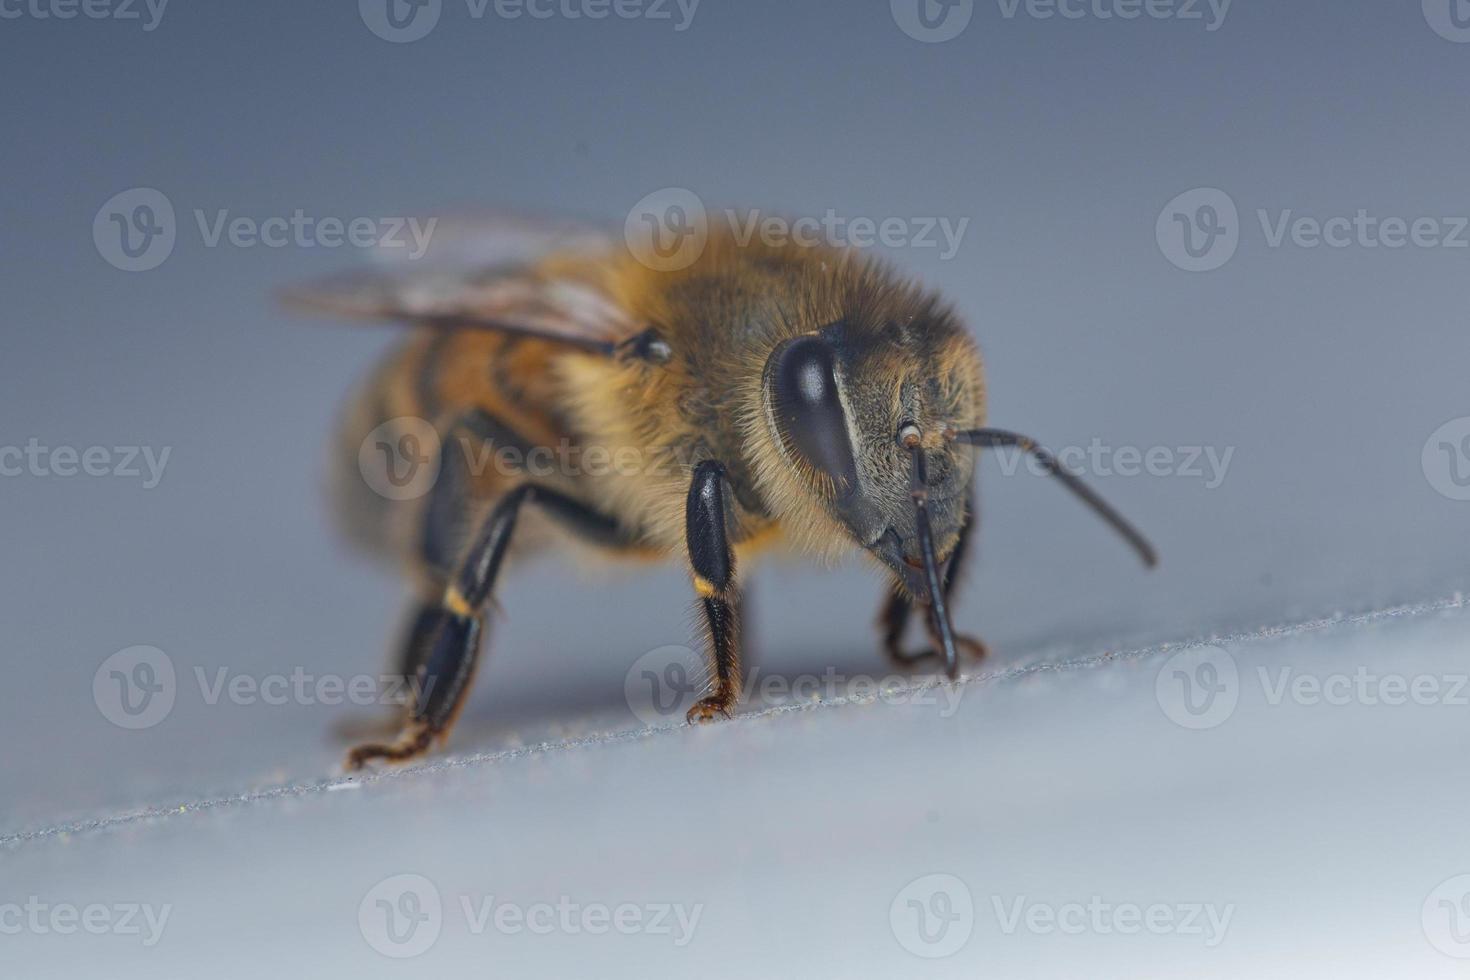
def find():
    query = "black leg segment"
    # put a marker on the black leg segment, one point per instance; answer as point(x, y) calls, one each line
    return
point(713, 566)
point(444, 643)
point(894, 619)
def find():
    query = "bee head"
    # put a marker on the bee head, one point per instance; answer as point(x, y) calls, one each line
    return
point(859, 417)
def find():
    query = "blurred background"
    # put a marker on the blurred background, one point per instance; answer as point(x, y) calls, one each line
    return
point(1228, 237)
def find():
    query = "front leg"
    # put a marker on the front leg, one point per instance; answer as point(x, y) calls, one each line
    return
point(713, 566)
point(895, 616)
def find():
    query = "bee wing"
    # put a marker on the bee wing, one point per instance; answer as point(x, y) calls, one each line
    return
point(482, 273)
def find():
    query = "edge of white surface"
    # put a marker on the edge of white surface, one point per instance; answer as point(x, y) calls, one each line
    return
point(108, 821)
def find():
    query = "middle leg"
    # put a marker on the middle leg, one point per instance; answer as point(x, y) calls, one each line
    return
point(713, 566)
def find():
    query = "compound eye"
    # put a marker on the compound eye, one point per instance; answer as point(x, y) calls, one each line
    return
point(802, 383)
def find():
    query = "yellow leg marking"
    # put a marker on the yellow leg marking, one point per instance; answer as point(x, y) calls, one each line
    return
point(705, 587)
point(456, 603)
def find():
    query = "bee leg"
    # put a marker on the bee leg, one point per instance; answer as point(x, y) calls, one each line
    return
point(436, 551)
point(437, 692)
point(713, 565)
point(448, 650)
point(894, 618)
point(450, 645)
point(412, 650)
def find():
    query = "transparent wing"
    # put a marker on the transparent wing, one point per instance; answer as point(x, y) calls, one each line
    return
point(482, 272)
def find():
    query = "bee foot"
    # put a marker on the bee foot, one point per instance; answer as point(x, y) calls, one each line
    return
point(412, 743)
point(971, 646)
point(710, 708)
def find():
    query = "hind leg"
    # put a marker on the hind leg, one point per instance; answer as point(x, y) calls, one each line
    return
point(432, 555)
point(447, 648)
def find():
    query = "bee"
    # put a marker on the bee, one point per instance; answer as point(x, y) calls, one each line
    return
point(792, 393)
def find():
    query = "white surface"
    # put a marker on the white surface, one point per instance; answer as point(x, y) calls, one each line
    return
point(1321, 830)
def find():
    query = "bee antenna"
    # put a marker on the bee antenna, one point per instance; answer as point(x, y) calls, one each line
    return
point(992, 438)
point(938, 607)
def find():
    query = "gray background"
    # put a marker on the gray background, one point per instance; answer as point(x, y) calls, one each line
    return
point(1061, 141)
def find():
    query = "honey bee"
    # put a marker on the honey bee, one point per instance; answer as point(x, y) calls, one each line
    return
point(763, 394)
